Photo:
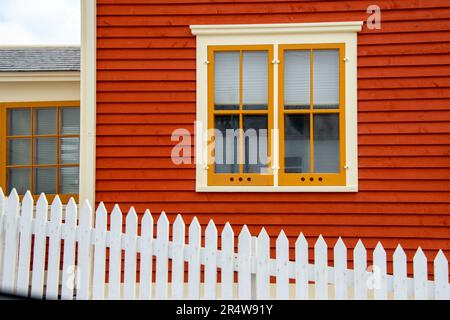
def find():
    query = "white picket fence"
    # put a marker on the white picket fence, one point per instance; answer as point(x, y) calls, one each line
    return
point(84, 260)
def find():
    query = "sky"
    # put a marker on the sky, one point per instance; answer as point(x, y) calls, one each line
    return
point(40, 22)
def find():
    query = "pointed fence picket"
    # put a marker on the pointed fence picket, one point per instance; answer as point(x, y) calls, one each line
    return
point(301, 268)
point(162, 257)
point(228, 258)
point(69, 272)
point(195, 233)
point(115, 255)
point(130, 255)
point(244, 264)
point(211, 261)
point(40, 245)
point(98, 289)
point(282, 265)
point(85, 276)
point(263, 266)
point(340, 271)
point(54, 250)
point(178, 240)
point(146, 267)
point(23, 275)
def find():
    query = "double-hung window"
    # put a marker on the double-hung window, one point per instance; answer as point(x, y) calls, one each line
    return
point(278, 103)
point(41, 148)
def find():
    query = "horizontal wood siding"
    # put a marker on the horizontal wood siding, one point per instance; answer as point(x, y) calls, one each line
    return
point(146, 89)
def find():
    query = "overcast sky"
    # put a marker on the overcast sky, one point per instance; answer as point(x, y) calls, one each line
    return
point(39, 22)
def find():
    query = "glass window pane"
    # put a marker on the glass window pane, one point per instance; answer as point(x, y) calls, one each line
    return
point(45, 121)
point(19, 122)
point(226, 80)
point(255, 144)
point(45, 151)
point(19, 152)
point(326, 79)
point(18, 178)
point(226, 144)
point(70, 150)
point(297, 79)
point(326, 143)
point(70, 121)
point(297, 144)
point(69, 180)
point(44, 180)
point(255, 80)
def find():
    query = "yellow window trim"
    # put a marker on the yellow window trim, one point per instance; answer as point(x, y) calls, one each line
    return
point(312, 179)
point(240, 179)
point(3, 147)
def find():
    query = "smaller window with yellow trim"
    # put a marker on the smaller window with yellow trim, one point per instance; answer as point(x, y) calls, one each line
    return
point(40, 145)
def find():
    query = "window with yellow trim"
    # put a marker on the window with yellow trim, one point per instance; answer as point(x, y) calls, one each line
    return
point(310, 116)
point(40, 145)
point(240, 115)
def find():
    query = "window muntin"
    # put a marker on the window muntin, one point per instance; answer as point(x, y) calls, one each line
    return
point(240, 111)
point(42, 143)
point(312, 134)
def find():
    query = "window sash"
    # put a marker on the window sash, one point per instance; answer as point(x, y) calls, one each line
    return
point(312, 178)
point(33, 135)
point(241, 178)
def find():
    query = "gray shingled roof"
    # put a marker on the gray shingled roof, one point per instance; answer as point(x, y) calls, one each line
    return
point(39, 59)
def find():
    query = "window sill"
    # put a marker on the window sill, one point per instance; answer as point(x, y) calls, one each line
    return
point(299, 189)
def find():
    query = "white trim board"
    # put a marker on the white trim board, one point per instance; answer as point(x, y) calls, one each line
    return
point(54, 76)
point(88, 100)
point(276, 34)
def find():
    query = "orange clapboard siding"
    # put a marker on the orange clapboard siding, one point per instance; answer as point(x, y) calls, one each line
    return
point(146, 89)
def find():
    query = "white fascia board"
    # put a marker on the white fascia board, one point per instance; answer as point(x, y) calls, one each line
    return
point(55, 76)
point(279, 28)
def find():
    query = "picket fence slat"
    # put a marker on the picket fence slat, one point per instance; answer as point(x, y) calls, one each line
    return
point(340, 270)
point(360, 274)
point(441, 289)
point(420, 275)
point(130, 255)
point(162, 257)
point(115, 255)
point(25, 227)
point(84, 252)
point(178, 240)
point(195, 233)
point(400, 274)
point(282, 266)
point(262, 266)
point(227, 263)
point(69, 273)
point(301, 268)
point(54, 250)
point(211, 261)
point(40, 246)
point(11, 243)
point(321, 269)
point(98, 290)
point(146, 267)
point(379, 273)
point(252, 262)
point(244, 269)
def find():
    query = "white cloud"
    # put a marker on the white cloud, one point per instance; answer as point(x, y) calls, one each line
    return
point(39, 22)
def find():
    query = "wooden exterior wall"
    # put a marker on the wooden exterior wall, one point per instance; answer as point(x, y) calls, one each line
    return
point(146, 89)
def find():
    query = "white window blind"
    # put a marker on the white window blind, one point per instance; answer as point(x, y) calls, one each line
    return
point(226, 79)
point(326, 78)
point(255, 79)
point(297, 85)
